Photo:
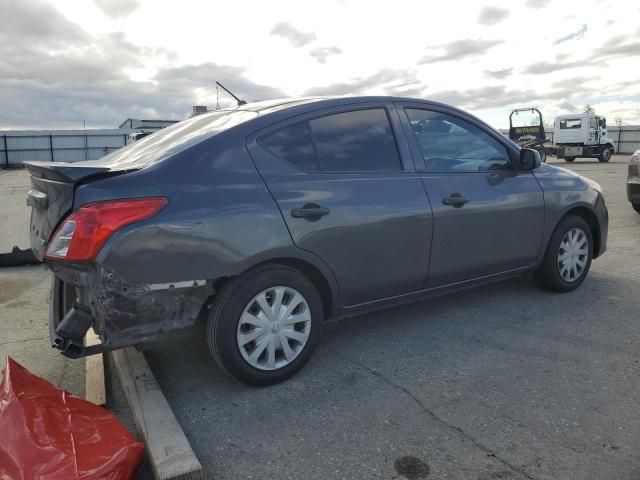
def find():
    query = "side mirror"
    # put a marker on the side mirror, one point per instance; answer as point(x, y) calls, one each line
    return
point(529, 159)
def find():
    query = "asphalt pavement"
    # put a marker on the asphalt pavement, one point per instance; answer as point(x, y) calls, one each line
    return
point(502, 382)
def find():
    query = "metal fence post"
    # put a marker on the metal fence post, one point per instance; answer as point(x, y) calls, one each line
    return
point(51, 146)
point(6, 151)
point(619, 134)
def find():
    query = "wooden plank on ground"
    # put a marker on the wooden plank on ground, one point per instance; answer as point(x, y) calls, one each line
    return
point(94, 378)
point(169, 452)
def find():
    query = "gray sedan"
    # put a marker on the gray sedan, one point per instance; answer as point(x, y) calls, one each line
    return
point(269, 219)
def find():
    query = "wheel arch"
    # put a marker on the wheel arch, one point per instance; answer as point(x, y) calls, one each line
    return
point(315, 275)
point(590, 217)
point(321, 279)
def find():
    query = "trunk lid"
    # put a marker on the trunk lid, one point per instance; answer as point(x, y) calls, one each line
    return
point(51, 195)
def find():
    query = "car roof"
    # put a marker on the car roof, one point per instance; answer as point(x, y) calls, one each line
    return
point(268, 106)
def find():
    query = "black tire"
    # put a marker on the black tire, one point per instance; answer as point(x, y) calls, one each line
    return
point(543, 155)
point(636, 207)
point(548, 273)
point(569, 159)
point(605, 155)
point(230, 303)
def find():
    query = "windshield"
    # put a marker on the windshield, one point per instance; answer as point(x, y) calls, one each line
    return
point(173, 139)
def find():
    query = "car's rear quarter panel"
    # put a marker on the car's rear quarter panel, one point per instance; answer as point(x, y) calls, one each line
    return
point(219, 216)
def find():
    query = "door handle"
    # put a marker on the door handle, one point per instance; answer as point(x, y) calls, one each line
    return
point(456, 200)
point(310, 211)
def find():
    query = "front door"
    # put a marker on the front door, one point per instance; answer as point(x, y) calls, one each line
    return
point(349, 196)
point(488, 216)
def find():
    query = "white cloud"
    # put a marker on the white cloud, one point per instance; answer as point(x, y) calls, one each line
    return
point(296, 37)
point(109, 59)
point(492, 15)
point(117, 8)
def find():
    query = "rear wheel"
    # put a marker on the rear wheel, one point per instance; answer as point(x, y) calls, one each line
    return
point(569, 159)
point(265, 324)
point(568, 257)
point(605, 155)
point(543, 154)
point(636, 207)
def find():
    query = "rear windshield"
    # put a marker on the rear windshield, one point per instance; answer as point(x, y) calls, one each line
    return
point(173, 139)
point(570, 123)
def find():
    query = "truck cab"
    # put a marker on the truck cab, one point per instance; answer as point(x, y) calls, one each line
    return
point(582, 135)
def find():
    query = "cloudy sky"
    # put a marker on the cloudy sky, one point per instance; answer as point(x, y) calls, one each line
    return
point(101, 61)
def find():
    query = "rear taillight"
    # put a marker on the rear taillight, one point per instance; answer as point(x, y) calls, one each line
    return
point(85, 231)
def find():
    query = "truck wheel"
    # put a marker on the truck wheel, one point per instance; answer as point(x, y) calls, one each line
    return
point(569, 159)
point(568, 257)
point(605, 156)
point(543, 155)
point(265, 324)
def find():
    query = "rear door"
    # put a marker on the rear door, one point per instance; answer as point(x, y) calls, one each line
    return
point(488, 216)
point(343, 179)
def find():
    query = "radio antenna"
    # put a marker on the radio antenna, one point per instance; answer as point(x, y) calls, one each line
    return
point(239, 101)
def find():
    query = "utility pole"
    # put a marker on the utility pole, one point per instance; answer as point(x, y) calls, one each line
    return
point(84, 127)
point(619, 123)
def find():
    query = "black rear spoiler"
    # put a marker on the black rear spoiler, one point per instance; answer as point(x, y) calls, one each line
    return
point(63, 172)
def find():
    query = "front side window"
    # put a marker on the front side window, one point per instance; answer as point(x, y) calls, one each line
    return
point(448, 143)
point(570, 123)
point(349, 142)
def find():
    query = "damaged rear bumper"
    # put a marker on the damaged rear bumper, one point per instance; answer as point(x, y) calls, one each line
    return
point(121, 313)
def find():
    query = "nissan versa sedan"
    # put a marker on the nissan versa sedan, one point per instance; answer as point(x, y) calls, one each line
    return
point(270, 219)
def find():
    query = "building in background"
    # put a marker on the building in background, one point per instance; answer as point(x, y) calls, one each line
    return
point(199, 110)
point(146, 126)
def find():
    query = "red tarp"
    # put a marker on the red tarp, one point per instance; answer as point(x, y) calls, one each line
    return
point(48, 434)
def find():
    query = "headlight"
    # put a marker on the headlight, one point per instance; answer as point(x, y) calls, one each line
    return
point(635, 158)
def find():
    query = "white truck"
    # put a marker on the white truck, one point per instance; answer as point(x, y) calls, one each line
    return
point(582, 135)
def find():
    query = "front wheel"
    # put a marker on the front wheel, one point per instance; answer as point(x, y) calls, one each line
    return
point(265, 324)
point(569, 159)
point(605, 155)
point(636, 207)
point(568, 257)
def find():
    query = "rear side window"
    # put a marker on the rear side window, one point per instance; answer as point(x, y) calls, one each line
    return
point(450, 144)
point(570, 123)
point(293, 145)
point(358, 141)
